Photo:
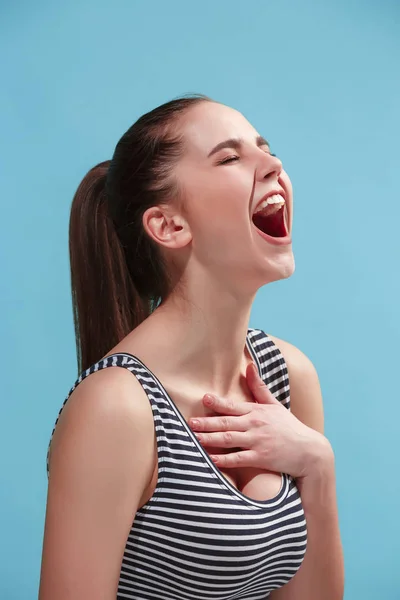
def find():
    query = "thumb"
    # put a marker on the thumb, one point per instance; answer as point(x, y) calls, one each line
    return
point(257, 386)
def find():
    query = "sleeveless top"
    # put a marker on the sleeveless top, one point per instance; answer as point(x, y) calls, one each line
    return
point(198, 537)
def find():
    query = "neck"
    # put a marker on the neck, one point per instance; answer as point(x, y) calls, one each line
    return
point(203, 338)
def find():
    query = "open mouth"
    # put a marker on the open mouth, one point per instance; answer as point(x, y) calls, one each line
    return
point(270, 217)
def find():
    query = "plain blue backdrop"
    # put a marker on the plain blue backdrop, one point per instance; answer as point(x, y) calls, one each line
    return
point(321, 81)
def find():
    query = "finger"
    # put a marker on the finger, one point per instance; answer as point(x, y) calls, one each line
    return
point(244, 458)
point(226, 439)
point(226, 405)
point(257, 386)
point(223, 423)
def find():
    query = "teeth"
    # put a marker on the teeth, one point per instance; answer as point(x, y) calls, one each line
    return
point(274, 204)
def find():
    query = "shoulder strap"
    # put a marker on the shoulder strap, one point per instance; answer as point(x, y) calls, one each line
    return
point(272, 364)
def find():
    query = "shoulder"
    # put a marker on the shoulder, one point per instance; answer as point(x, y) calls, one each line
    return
point(108, 405)
point(297, 362)
point(305, 390)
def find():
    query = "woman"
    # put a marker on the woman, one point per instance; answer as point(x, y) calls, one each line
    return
point(157, 491)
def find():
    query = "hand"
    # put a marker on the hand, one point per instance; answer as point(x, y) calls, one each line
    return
point(270, 437)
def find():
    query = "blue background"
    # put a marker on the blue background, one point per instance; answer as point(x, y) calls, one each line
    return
point(320, 80)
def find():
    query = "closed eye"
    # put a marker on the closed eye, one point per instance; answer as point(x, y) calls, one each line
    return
point(235, 158)
point(229, 159)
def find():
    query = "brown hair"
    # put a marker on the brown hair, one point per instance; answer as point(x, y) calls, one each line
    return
point(118, 275)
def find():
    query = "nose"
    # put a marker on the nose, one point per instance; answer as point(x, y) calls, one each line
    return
point(269, 166)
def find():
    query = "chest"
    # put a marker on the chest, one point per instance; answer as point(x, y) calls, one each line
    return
point(257, 484)
point(215, 543)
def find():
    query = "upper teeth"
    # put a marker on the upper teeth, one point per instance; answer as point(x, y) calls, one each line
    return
point(275, 202)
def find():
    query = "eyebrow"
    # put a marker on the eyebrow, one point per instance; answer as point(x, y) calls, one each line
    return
point(236, 143)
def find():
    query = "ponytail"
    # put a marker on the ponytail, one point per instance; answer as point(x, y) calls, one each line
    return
point(106, 304)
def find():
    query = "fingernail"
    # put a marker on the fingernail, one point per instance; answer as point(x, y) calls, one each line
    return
point(194, 423)
point(208, 399)
point(214, 458)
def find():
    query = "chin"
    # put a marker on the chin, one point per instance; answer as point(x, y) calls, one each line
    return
point(281, 269)
point(289, 270)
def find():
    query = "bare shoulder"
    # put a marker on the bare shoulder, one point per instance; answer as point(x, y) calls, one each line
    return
point(109, 398)
point(107, 428)
point(305, 389)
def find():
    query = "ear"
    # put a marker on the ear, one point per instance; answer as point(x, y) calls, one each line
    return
point(167, 227)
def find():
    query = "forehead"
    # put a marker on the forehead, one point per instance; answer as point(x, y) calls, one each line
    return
point(209, 123)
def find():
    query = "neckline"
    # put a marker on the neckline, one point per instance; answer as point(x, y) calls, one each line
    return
point(270, 502)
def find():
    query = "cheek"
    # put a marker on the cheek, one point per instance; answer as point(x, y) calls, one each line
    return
point(221, 197)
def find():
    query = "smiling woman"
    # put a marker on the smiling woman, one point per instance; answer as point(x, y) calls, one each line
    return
point(169, 242)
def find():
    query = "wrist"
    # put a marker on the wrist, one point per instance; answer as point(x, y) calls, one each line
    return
point(320, 459)
point(317, 485)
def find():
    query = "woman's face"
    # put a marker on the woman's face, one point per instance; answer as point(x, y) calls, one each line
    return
point(226, 169)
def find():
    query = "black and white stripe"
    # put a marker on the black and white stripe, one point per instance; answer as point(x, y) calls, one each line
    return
point(198, 537)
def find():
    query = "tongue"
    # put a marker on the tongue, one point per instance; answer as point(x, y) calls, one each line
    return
point(272, 225)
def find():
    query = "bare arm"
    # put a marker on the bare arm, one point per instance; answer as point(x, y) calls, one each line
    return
point(321, 575)
point(102, 460)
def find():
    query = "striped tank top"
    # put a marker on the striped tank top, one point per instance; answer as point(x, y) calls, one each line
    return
point(198, 537)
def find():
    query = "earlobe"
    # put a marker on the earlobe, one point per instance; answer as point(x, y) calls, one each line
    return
point(170, 231)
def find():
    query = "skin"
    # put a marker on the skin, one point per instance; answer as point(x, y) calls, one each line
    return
point(97, 482)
